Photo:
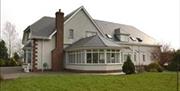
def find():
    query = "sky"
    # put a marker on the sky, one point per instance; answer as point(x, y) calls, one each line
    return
point(159, 19)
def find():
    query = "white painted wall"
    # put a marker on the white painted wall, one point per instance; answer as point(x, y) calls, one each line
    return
point(94, 67)
point(80, 23)
point(44, 49)
point(144, 50)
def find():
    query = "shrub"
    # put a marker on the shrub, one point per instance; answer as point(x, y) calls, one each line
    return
point(12, 62)
point(154, 67)
point(45, 65)
point(174, 65)
point(1, 78)
point(128, 66)
point(2, 62)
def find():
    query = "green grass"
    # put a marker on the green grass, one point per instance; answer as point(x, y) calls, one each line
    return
point(165, 81)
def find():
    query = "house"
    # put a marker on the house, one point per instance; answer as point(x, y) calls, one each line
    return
point(80, 43)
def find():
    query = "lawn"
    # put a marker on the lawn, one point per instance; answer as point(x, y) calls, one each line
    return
point(165, 81)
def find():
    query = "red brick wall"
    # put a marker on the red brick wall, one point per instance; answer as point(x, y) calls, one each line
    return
point(57, 53)
point(34, 55)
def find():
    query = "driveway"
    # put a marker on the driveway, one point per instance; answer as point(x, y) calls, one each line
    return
point(11, 72)
point(16, 72)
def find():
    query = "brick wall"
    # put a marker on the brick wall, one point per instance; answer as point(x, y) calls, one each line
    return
point(57, 53)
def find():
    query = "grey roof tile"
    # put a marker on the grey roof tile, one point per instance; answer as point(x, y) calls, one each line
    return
point(108, 28)
point(42, 28)
point(93, 42)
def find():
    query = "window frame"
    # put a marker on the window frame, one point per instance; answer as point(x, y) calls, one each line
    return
point(71, 34)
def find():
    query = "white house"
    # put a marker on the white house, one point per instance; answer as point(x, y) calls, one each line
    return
point(80, 43)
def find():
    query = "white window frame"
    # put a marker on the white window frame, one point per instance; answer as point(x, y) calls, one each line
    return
point(71, 33)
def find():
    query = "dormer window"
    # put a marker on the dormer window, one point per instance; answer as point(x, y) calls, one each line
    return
point(120, 36)
point(71, 34)
point(124, 37)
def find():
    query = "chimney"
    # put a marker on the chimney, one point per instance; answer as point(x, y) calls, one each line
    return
point(57, 53)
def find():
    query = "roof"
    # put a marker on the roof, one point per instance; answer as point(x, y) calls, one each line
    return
point(27, 45)
point(93, 42)
point(45, 27)
point(42, 28)
point(109, 27)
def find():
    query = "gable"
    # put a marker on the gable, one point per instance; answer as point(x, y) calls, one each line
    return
point(81, 23)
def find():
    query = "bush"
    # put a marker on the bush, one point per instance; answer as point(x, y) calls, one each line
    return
point(45, 65)
point(1, 78)
point(154, 67)
point(2, 62)
point(128, 66)
point(174, 65)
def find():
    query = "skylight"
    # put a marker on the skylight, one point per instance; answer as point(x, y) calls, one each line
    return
point(109, 36)
point(139, 39)
point(133, 39)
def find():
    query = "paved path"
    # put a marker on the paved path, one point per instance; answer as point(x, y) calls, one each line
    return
point(16, 72)
point(11, 70)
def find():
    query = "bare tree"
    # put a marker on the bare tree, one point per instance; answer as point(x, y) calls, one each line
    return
point(156, 54)
point(10, 35)
point(167, 54)
point(163, 55)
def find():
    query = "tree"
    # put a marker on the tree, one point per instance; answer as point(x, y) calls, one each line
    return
point(3, 50)
point(166, 54)
point(163, 55)
point(11, 38)
point(175, 63)
point(16, 56)
point(128, 66)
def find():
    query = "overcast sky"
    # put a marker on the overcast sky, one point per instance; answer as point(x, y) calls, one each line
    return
point(158, 18)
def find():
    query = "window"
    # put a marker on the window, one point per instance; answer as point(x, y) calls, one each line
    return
point(108, 56)
point(125, 56)
point(144, 58)
point(95, 57)
point(89, 57)
point(101, 58)
point(124, 38)
point(139, 39)
point(112, 56)
point(117, 60)
point(71, 34)
point(108, 36)
point(29, 57)
point(90, 33)
point(133, 39)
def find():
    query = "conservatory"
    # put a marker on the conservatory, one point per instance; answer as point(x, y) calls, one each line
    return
point(94, 53)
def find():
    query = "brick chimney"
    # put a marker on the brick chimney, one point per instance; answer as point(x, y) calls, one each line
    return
point(57, 53)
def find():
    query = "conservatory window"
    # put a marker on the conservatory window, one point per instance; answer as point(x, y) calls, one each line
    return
point(89, 57)
point(144, 58)
point(95, 57)
point(108, 58)
point(101, 58)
